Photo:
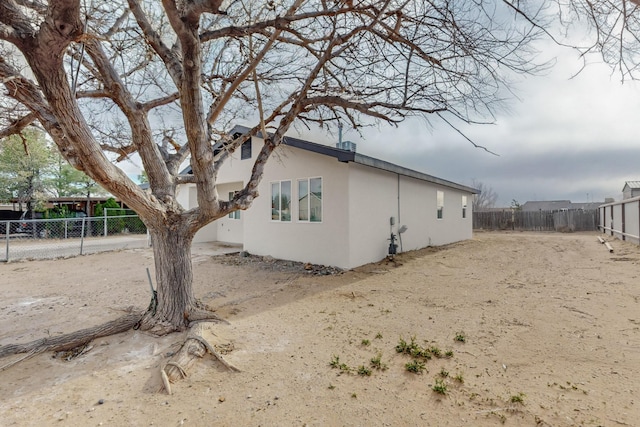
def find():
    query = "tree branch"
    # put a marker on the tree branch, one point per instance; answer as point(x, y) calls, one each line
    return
point(167, 55)
point(147, 106)
point(18, 125)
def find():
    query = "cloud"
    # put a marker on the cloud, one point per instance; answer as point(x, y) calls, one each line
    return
point(564, 138)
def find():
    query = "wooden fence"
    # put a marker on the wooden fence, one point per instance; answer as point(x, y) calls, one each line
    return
point(566, 221)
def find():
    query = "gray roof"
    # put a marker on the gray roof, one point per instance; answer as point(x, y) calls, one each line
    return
point(634, 185)
point(350, 156)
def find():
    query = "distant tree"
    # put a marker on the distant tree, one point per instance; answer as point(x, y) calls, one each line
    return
point(515, 205)
point(66, 181)
point(25, 165)
point(487, 198)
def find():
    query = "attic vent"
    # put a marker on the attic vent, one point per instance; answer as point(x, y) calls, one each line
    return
point(346, 145)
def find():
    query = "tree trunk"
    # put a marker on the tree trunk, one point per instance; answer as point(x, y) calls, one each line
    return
point(174, 300)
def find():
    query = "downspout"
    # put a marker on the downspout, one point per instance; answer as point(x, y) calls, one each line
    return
point(399, 219)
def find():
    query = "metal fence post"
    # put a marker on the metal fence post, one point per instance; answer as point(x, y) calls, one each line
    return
point(6, 232)
point(82, 235)
point(105, 222)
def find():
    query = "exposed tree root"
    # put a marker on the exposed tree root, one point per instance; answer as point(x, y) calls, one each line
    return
point(207, 315)
point(74, 339)
point(194, 347)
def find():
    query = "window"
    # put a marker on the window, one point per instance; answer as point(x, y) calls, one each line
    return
point(234, 214)
point(245, 150)
point(440, 203)
point(464, 206)
point(281, 201)
point(310, 200)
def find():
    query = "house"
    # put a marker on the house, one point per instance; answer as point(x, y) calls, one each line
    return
point(630, 190)
point(331, 206)
point(552, 205)
point(558, 206)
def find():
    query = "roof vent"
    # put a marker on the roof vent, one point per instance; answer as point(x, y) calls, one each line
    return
point(346, 145)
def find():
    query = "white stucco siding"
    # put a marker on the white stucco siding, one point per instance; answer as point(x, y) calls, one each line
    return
point(417, 212)
point(230, 230)
point(452, 227)
point(183, 195)
point(373, 200)
point(376, 195)
point(323, 242)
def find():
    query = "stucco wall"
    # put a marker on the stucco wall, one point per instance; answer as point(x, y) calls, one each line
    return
point(320, 243)
point(376, 195)
point(373, 201)
point(230, 230)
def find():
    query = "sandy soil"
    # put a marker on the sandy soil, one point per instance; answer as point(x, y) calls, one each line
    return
point(551, 328)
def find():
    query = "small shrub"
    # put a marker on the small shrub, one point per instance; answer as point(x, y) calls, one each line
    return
point(440, 386)
point(443, 373)
point(365, 342)
point(364, 371)
point(408, 347)
point(377, 363)
point(415, 366)
point(460, 337)
point(335, 363)
point(435, 351)
point(517, 398)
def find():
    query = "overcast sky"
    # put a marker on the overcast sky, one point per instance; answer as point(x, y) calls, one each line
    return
point(564, 138)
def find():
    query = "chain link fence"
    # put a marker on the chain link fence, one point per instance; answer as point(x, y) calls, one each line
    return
point(64, 237)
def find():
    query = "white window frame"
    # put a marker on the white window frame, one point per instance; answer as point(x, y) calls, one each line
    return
point(279, 183)
point(308, 181)
point(234, 214)
point(464, 206)
point(439, 204)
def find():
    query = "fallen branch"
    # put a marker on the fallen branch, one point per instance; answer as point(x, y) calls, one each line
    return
point(20, 359)
point(74, 339)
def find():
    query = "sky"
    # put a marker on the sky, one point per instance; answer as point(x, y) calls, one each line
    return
point(562, 138)
point(572, 133)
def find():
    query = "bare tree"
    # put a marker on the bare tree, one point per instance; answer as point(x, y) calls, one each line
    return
point(486, 197)
point(164, 80)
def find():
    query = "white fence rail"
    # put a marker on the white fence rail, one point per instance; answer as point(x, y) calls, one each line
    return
point(64, 237)
point(621, 219)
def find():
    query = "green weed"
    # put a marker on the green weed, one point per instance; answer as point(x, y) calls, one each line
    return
point(376, 362)
point(460, 337)
point(517, 398)
point(440, 386)
point(415, 366)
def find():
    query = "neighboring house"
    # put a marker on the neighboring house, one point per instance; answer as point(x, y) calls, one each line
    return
point(558, 205)
point(631, 189)
point(325, 205)
point(552, 205)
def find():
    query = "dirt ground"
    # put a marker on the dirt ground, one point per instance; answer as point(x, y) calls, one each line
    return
point(531, 329)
